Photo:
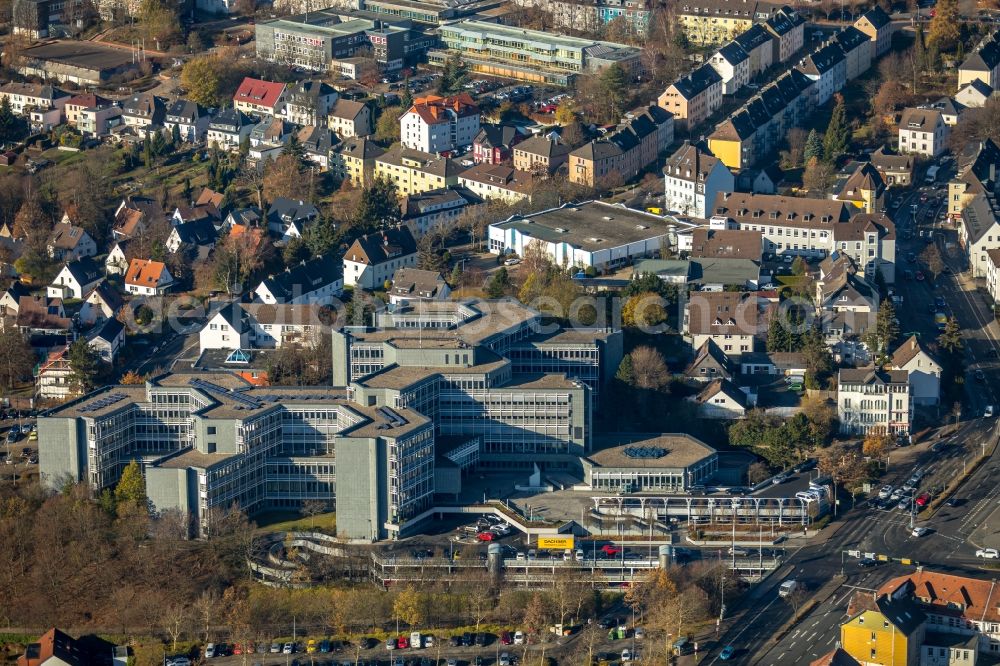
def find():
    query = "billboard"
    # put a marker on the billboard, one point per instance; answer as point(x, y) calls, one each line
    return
point(555, 543)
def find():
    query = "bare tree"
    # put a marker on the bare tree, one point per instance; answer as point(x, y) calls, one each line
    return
point(313, 508)
point(175, 621)
point(206, 606)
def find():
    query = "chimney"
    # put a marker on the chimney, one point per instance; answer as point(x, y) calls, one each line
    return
point(913, 342)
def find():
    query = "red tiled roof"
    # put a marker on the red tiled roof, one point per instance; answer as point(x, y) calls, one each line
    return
point(261, 93)
point(144, 272)
point(431, 108)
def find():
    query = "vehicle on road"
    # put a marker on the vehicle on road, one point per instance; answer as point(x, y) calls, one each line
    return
point(979, 375)
point(884, 492)
point(920, 276)
point(787, 588)
point(866, 562)
point(988, 412)
point(727, 653)
point(739, 551)
point(920, 531)
point(988, 553)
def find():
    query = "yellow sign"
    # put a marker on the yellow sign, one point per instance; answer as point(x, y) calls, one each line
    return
point(556, 543)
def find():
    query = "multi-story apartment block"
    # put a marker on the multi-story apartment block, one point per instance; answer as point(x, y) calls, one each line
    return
point(540, 154)
point(354, 160)
point(979, 231)
point(788, 29)
point(190, 118)
point(437, 210)
point(309, 102)
point(977, 167)
point(878, 26)
point(857, 49)
point(349, 118)
point(873, 398)
point(414, 171)
point(882, 630)
point(694, 97)
point(26, 97)
point(922, 131)
point(733, 65)
point(595, 15)
point(983, 63)
point(759, 127)
point(715, 21)
point(499, 181)
point(494, 143)
point(530, 55)
point(758, 44)
point(373, 258)
point(623, 154)
point(827, 68)
point(693, 178)
point(438, 124)
point(732, 320)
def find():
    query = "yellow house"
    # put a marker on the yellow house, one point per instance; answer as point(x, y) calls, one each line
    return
point(732, 140)
point(414, 171)
point(708, 22)
point(864, 189)
point(883, 632)
point(354, 160)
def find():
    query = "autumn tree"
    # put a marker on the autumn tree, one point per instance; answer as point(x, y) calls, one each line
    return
point(16, 357)
point(158, 23)
point(946, 26)
point(932, 260)
point(950, 338)
point(132, 377)
point(202, 78)
point(387, 125)
point(879, 337)
point(876, 443)
point(844, 464)
point(649, 370)
point(131, 488)
point(795, 140)
point(536, 614)
point(818, 175)
point(285, 177)
point(644, 310)
point(408, 607)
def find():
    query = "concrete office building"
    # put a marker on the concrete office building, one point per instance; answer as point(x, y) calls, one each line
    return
point(649, 463)
point(456, 384)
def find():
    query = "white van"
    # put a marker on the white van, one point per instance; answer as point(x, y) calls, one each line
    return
point(415, 640)
point(787, 588)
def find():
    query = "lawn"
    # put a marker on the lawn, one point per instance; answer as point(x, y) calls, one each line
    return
point(290, 521)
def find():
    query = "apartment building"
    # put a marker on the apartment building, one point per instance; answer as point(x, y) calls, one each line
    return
point(979, 231)
point(857, 49)
point(758, 128)
point(788, 28)
point(499, 181)
point(864, 189)
point(228, 129)
point(436, 209)
point(316, 281)
point(708, 22)
point(923, 131)
point(827, 68)
point(373, 258)
point(873, 398)
point(693, 178)
point(540, 154)
point(25, 97)
point(354, 160)
point(593, 16)
point(309, 102)
point(438, 124)
point(923, 369)
point(758, 44)
point(509, 52)
point(733, 65)
point(732, 320)
point(494, 143)
point(260, 326)
point(976, 171)
point(982, 64)
point(883, 630)
point(349, 118)
point(846, 303)
point(259, 98)
point(693, 98)
point(623, 154)
point(414, 171)
point(877, 25)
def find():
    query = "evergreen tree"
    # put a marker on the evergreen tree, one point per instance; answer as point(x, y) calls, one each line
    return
point(814, 147)
point(295, 148)
point(378, 207)
point(879, 338)
point(158, 144)
point(323, 237)
point(778, 336)
point(951, 337)
point(625, 373)
point(147, 153)
point(131, 488)
point(429, 255)
point(84, 364)
point(499, 284)
point(453, 75)
point(919, 48)
point(295, 251)
point(615, 85)
point(838, 134)
point(12, 127)
point(456, 276)
point(175, 135)
point(406, 99)
point(244, 145)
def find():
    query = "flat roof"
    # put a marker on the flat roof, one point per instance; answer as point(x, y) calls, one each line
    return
point(590, 226)
point(539, 37)
point(194, 458)
point(88, 55)
point(401, 376)
point(679, 450)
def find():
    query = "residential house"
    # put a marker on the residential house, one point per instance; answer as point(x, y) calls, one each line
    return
point(436, 209)
point(873, 398)
point(958, 606)
point(731, 319)
point(260, 98)
point(973, 95)
point(350, 119)
point(721, 399)
point(835, 657)
point(864, 189)
point(733, 65)
point(76, 279)
point(199, 234)
point(315, 281)
point(260, 326)
point(982, 64)
point(758, 44)
point(976, 170)
point(228, 129)
point(857, 49)
point(318, 142)
point(775, 364)
point(723, 243)
point(76, 104)
point(98, 121)
point(709, 363)
point(309, 102)
point(883, 630)
point(993, 274)
point(950, 110)
point(10, 299)
point(354, 160)
point(374, 258)
point(494, 143)
point(116, 263)
point(896, 170)
point(144, 112)
point(55, 381)
point(414, 171)
point(43, 321)
point(788, 28)
point(847, 302)
point(693, 98)
point(107, 339)
point(540, 154)
point(708, 22)
point(922, 132)
point(877, 25)
point(134, 216)
point(979, 232)
point(827, 68)
point(288, 218)
point(623, 154)
point(249, 217)
point(27, 97)
point(68, 242)
point(693, 178)
point(190, 118)
point(55, 648)
point(497, 181)
point(924, 371)
point(102, 302)
point(413, 284)
point(438, 124)
point(268, 139)
point(148, 278)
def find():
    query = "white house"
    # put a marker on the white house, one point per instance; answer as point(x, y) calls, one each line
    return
point(827, 67)
point(69, 242)
point(116, 263)
point(228, 129)
point(413, 284)
point(979, 232)
point(107, 339)
point(316, 281)
point(375, 257)
point(190, 118)
point(76, 279)
point(436, 124)
point(922, 132)
point(693, 178)
point(260, 326)
point(148, 278)
point(103, 302)
point(871, 398)
point(733, 65)
point(721, 399)
point(923, 369)
point(993, 274)
point(730, 319)
point(308, 102)
point(55, 376)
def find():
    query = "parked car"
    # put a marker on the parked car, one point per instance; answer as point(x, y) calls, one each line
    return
point(402, 643)
point(519, 638)
point(626, 656)
point(504, 659)
point(884, 492)
point(923, 499)
point(311, 646)
point(288, 649)
point(390, 644)
point(455, 641)
point(210, 651)
point(920, 531)
point(988, 553)
point(866, 562)
point(506, 638)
